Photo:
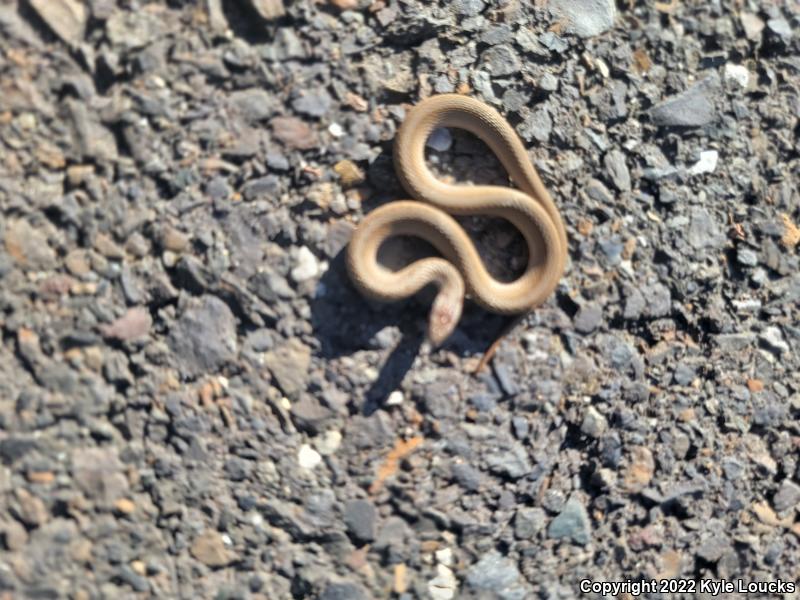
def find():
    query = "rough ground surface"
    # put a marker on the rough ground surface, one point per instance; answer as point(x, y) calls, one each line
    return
point(195, 403)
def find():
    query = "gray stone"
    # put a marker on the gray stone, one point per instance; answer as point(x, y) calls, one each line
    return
point(573, 523)
point(360, 517)
point(594, 424)
point(703, 230)
point(501, 60)
point(98, 472)
point(614, 162)
point(537, 125)
point(773, 338)
point(289, 364)
point(253, 104)
point(513, 462)
point(780, 27)
point(713, 548)
point(588, 317)
point(684, 374)
point(746, 257)
point(440, 139)
point(467, 476)
point(28, 246)
point(67, 18)
point(343, 591)
point(585, 18)
point(313, 104)
point(787, 496)
point(204, 337)
point(657, 300)
point(499, 575)
point(691, 108)
point(468, 8)
point(528, 522)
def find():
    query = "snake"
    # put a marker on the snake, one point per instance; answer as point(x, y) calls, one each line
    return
point(459, 271)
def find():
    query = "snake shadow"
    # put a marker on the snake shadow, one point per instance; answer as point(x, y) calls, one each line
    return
point(344, 322)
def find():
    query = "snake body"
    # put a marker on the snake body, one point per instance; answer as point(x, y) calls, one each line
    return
point(460, 270)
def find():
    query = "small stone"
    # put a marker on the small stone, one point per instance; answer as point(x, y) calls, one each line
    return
point(572, 523)
point(343, 591)
point(444, 586)
point(306, 265)
point(125, 506)
point(780, 27)
point(787, 496)
point(396, 398)
point(289, 364)
point(30, 510)
point(349, 173)
point(713, 548)
point(537, 125)
point(513, 462)
point(753, 26)
point(132, 325)
point(692, 108)
point(746, 257)
point(548, 82)
point(588, 317)
point(254, 104)
point(13, 535)
point(204, 337)
point(328, 443)
point(314, 104)
point(28, 246)
point(617, 170)
point(77, 262)
point(468, 8)
point(499, 575)
point(67, 18)
point(738, 74)
point(501, 60)
point(773, 338)
point(307, 457)
point(585, 18)
point(594, 424)
point(703, 229)
point(706, 164)
point(210, 550)
point(360, 518)
point(98, 472)
point(641, 467)
point(268, 9)
point(107, 247)
point(293, 133)
point(684, 374)
point(440, 139)
point(174, 240)
point(528, 522)
point(467, 476)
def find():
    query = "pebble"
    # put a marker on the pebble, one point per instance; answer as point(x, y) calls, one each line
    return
point(30, 509)
point(499, 575)
point(306, 265)
point(440, 139)
point(67, 18)
point(594, 424)
point(293, 133)
point(706, 164)
point(572, 523)
point(585, 18)
point(641, 468)
point(537, 126)
point(787, 496)
point(773, 339)
point(738, 74)
point(314, 104)
point(528, 522)
point(328, 443)
point(444, 586)
point(588, 318)
point(210, 550)
point(692, 108)
point(28, 246)
point(617, 170)
point(204, 337)
point(253, 104)
point(360, 517)
point(501, 60)
point(134, 324)
point(289, 364)
point(307, 457)
point(98, 473)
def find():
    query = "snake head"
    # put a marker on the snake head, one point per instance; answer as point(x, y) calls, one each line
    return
point(445, 314)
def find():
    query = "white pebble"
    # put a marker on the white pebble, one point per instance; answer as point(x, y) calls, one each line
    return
point(737, 73)
point(306, 265)
point(395, 398)
point(226, 539)
point(335, 130)
point(444, 585)
point(328, 443)
point(445, 557)
point(706, 164)
point(308, 457)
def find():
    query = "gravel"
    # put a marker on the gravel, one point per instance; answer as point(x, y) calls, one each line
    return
point(195, 401)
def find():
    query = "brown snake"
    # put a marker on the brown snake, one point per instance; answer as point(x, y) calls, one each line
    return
point(460, 270)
